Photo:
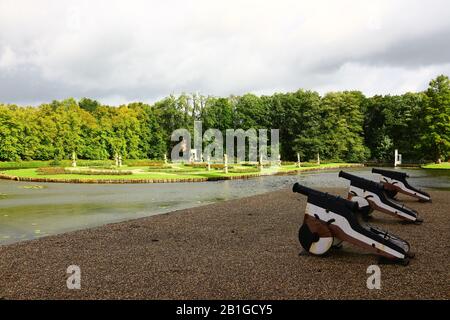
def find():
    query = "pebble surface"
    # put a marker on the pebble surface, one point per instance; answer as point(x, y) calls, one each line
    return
point(239, 249)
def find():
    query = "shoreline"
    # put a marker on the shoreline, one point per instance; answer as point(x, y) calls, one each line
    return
point(5, 176)
point(238, 249)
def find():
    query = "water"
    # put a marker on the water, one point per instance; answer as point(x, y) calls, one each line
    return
point(31, 210)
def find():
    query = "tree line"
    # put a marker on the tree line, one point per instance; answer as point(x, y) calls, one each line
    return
point(340, 126)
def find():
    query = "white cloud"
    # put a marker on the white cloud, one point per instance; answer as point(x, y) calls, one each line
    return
point(8, 58)
point(375, 79)
point(120, 51)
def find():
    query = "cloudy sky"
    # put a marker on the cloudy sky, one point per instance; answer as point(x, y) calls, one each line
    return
point(122, 51)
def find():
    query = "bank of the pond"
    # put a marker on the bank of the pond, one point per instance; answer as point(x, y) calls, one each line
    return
point(431, 166)
point(26, 175)
point(240, 249)
point(437, 166)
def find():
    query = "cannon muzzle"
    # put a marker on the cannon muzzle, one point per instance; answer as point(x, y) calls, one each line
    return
point(303, 190)
point(323, 199)
point(391, 174)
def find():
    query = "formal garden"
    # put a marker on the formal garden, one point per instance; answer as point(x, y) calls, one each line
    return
point(150, 170)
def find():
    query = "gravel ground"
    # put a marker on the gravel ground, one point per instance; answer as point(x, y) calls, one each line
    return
point(240, 249)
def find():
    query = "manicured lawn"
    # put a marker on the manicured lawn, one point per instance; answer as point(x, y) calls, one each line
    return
point(443, 165)
point(176, 171)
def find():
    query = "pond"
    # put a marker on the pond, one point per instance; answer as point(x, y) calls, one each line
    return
point(33, 210)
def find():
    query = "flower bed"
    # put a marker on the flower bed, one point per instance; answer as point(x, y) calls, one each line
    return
point(86, 171)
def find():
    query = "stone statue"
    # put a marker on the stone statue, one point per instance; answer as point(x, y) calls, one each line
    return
point(74, 159)
point(260, 162)
point(225, 161)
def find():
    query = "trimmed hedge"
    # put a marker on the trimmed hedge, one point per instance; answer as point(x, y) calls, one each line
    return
point(165, 168)
point(144, 163)
point(91, 172)
point(51, 170)
point(243, 170)
point(96, 172)
point(95, 163)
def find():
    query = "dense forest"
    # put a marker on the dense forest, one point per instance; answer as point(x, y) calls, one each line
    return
point(340, 126)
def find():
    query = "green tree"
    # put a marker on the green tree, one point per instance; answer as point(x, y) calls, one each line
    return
point(342, 126)
point(88, 104)
point(436, 124)
point(217, 114)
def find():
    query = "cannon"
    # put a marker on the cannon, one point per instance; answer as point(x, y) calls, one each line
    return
point(371, 195)
point(332, 219)
point(395, 181)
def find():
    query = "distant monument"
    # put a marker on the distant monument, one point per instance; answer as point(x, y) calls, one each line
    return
point(397, 158)
point(260, 162)
point(225, 163)
point(193, 156)
point(74, 159)
point(298, 160)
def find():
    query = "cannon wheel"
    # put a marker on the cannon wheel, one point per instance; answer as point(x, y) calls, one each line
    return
point(312, 242)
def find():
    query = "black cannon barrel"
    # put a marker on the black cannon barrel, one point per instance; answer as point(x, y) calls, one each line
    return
point(304, 190)
point(360, 182)
point(391, 174)
point(347, 176)
point(324, 199)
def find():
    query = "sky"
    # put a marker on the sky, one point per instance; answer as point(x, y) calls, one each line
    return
point(123, 51)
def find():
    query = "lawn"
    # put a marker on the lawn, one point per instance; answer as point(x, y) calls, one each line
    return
point(172, 172)
point(443, 165)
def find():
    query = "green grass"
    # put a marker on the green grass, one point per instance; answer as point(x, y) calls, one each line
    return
point(443, 165)
point(178, 171)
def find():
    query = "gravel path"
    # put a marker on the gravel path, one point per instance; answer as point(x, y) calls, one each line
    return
point(240, 249)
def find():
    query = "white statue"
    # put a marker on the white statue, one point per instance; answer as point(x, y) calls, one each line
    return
point(397, 158)
point(225, 161)
point(74, 159)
